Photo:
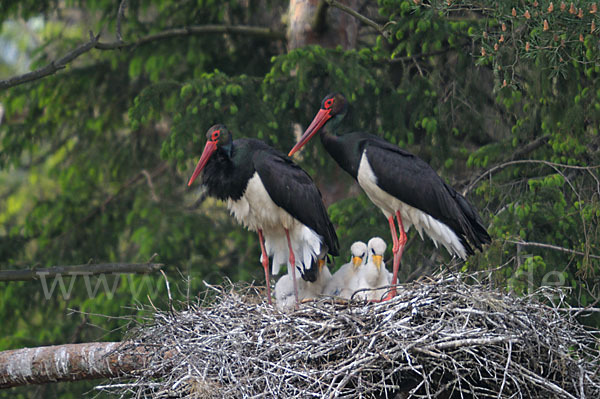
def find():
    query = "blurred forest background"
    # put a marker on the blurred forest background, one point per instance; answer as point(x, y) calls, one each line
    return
point(502, 98)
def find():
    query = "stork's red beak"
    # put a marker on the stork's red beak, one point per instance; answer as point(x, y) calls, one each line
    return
point(322, 116)
point(209, 149)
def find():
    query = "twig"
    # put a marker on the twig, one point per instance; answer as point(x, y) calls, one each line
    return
point(550, 246)
point(77, 270)
point(360, 17)
point(129, 183)
point(583, 310)
point(168, 288)
point(150, 184)
point(120, 14)
point(525, 161)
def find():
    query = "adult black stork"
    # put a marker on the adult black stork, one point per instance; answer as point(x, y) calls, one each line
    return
point(268, 193)
point(400, 184)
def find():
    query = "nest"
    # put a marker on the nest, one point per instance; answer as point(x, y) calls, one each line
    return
point(438, 338)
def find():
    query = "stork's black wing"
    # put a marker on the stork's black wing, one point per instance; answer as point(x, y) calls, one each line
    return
point(291, 188)
point(411, 180)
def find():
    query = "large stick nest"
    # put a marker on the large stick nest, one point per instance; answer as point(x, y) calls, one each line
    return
point(438, 338)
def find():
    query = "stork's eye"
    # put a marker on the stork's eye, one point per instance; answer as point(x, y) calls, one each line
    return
point(328, 103)
point(215, 135)
point(373, 251)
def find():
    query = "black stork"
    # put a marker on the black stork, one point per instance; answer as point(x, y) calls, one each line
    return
point(268, 193)
point(400, 184)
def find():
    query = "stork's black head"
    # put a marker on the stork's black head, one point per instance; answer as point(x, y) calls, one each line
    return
point(221, 136)
point(218, 139)
point(333, 107)
point(336, 104)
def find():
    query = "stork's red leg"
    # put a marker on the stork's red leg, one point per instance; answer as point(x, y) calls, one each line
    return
point(292, 264)
point(265, 263)
point(397, 250)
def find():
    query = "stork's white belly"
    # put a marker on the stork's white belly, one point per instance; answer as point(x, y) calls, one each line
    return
point(256, 210)
point(439, 232)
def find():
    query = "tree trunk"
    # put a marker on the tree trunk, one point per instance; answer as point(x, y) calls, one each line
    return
point(314, 22)
point(70, 362)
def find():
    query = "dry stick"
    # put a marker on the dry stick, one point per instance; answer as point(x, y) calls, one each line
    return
point(472, 342)
point(77, 270)
point(505, 370)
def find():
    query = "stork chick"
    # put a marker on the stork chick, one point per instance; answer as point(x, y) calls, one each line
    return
point(374, 274)
point(342, 281)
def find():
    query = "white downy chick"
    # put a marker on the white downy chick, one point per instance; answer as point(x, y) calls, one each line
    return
point(345, 278)
point(374, 274)
point(307, 289)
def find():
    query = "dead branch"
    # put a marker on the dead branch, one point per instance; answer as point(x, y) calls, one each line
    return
point(52, 67)
point(196, 30)
point(78, 270)
point(550, 246)
point(59, 64)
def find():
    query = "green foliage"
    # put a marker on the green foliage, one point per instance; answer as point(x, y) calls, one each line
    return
point(94, 160)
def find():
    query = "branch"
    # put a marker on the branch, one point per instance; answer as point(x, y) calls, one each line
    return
point(52, 67)
point(530, 147)
point(89, 269)
point(72, 362)
point(525, 161)
point(550, 246)
point(57, 65)
point(360, 17)
point(196, 30)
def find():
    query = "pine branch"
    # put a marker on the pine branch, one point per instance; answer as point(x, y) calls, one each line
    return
point(71, 362)
point(61, 63)
point(76, 270)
